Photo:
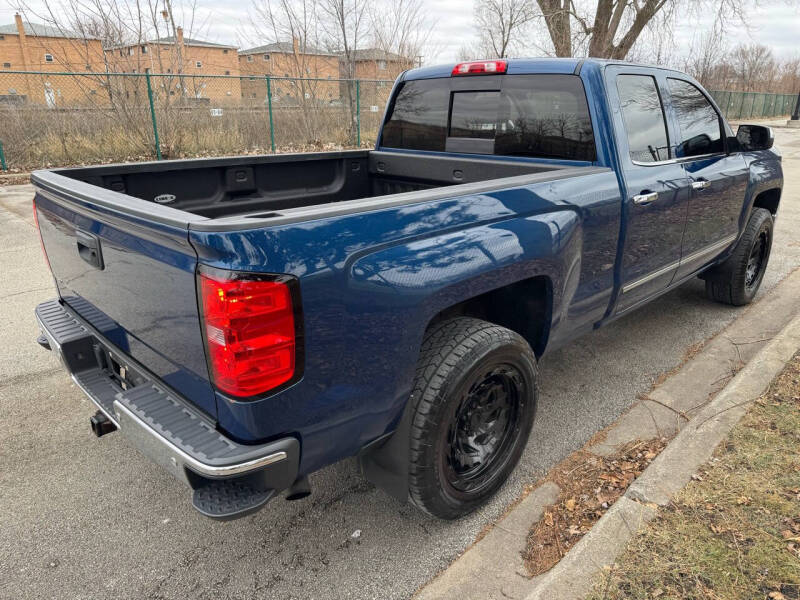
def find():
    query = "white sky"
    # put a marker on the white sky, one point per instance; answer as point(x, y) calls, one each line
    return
point(775, 23)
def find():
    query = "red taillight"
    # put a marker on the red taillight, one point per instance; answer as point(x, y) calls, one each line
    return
point(250, 331)
point(39, 231)
point(480, 67)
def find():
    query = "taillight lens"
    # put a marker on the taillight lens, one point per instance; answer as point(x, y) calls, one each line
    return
point(39, 231)
point(480, 67)
point(250, 330)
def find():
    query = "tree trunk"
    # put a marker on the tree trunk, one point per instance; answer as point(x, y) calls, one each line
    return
point(557, 18)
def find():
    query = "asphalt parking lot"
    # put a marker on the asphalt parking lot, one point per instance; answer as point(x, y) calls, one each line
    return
point(88, 518)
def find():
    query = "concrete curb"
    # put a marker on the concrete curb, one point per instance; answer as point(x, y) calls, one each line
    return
point(497, 557)
point(574, 575)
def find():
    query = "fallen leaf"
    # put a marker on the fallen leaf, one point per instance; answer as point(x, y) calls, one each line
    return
point(574, 530)
point(743, 500)
point(776, 596)
point(570, 504)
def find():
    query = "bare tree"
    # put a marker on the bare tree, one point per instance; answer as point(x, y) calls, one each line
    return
point(501, 25)
point(400, 27)
point(705, 55)
point(611, 28)
point(754, 67)
point(295, 24)
point(345, 25)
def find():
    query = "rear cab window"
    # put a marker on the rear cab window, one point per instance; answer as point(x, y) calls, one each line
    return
point(535, 116)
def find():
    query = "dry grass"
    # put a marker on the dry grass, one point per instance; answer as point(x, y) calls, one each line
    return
point(734, 532)
point(37, 138)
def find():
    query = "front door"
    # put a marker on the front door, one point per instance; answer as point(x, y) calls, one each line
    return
point(718, 180)
point(656, 186)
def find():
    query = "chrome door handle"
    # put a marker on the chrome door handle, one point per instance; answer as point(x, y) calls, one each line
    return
point(645, 198)
point(700, 184)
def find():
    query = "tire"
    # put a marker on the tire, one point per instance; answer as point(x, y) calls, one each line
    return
point(737, 279)
point(476, 382)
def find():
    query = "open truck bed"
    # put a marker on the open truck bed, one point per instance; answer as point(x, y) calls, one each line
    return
point(267, 187)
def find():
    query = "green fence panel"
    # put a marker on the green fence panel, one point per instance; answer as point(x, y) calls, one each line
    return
point(55, 119)
point(753, 105)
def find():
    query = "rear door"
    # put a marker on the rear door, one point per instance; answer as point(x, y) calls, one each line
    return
point(718, 180)
point(657, 188)
point(131, 276)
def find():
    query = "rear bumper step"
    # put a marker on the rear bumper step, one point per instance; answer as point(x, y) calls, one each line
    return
point(229, 479)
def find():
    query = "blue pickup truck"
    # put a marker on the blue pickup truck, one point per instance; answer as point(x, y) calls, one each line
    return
point(247, 321)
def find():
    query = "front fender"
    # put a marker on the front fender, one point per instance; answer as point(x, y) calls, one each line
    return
point(766, 173)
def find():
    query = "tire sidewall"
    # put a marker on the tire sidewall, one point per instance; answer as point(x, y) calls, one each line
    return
point(762, 222)
point(515, 353)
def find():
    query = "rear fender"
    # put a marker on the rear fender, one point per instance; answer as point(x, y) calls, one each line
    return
point(447, 269)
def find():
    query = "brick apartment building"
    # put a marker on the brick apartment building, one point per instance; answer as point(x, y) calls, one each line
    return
point(181, 66)
point(374, 64)
point(288, 59)
point(28, 46)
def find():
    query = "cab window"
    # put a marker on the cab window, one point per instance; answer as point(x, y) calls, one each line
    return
point(700, 125)
point(643, 116)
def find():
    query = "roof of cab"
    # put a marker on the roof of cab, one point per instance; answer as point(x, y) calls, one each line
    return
point(523, 66)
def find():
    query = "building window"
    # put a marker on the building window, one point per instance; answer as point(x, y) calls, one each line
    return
point(266, 57)
point(227, 72)
point(224, 51)
point(382, 65)
point(249, 58)
point(133, 70)
point(88, 67)
point(2, 37)
point(130, 51)
point(198, 64)
point(6, 65)
point(48, 58)
point(147, 70)
point(144, 49)
point(169, 70)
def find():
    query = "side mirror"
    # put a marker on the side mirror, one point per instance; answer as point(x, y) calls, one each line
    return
point(754, 137)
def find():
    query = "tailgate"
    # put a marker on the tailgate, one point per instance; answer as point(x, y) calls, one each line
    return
point(127, 268)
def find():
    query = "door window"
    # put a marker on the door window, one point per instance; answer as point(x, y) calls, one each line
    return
point(699, 122)
point(644, 118)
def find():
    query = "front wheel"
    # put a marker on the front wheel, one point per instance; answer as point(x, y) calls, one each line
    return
point(737, 279)
point(474, 402)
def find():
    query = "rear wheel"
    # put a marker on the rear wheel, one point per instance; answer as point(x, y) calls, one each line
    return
point(474, 403)
point(737, 280)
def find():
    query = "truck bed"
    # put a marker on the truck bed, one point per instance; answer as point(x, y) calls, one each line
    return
point(260, 185)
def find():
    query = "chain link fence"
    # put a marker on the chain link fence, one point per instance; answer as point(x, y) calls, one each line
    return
point(55, 119)
point(754, 105)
